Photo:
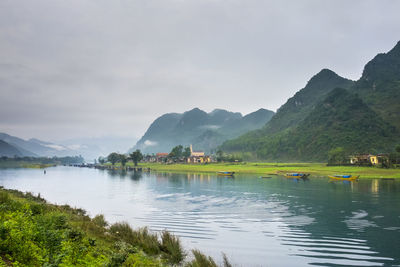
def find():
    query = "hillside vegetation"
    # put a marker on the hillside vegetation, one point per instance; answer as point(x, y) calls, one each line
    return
point(205, 131)
point(323, 116)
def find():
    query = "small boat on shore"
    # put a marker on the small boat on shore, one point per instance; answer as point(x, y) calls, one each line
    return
point(344, 177)
point(297, 175)
point(225, 173)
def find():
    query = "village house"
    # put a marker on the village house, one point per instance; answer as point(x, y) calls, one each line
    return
point(368, 159)
point(161, 157)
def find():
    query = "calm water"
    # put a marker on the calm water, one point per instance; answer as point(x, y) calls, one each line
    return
point(255, 221)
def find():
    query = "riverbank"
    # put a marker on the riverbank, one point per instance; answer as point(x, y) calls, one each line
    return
point(23, 164)
point(315, 169)
point(36, 233)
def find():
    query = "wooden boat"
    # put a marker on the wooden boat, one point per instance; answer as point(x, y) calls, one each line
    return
point(297, 175)
point(225, 173)
point(344, 177)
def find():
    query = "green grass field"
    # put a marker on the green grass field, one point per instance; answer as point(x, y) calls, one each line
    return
point(315, 169)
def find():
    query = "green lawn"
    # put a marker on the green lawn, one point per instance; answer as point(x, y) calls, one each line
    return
point(317, 169)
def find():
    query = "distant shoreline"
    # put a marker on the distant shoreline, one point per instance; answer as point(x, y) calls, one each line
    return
point(262, 168)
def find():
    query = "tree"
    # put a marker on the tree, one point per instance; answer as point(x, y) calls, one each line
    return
point(186, 153)
point(113, 158)
point(176, 152)
point(398, 148)
point(136, 156)
point(123, 159)
point(337, 155)
point(220, 155)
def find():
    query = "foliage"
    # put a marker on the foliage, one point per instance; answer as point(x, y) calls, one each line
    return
point(123, 159)
point(172, 248)
point(201, 260)
point(176, 152)
point(136, 156)
point(337, 155)
point(34, 233)
point(113, 158)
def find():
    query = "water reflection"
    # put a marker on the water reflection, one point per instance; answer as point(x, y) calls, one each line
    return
point(255, 221)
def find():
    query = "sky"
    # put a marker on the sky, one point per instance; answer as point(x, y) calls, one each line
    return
point(90, 68)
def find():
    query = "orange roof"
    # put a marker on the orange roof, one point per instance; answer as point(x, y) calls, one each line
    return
point(161, 154)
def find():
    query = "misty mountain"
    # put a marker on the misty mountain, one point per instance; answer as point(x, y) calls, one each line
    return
point(92, 147)
point(204, 130)
point(320, 117)
point(8, 150)
point(34, 147)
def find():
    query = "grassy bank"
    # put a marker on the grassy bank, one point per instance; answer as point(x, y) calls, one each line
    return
point(24, 164)
point(317, 169)
point(36, 233)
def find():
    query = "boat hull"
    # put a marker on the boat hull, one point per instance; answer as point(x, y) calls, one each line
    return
point(222, 173)
point(296, 175)
point(343, 177)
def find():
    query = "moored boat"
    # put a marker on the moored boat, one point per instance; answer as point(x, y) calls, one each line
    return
point(225, 173)
point(344, 177)
point(297, 175)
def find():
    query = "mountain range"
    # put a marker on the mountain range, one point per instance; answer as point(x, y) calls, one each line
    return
point(329, 112)
point(205, 131)
point(89, 148)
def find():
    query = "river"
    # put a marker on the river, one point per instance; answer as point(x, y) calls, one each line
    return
point(254, 221)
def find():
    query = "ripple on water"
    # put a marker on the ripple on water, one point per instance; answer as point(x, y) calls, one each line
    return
point(332, 251)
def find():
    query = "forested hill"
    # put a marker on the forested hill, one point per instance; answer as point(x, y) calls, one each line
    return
point(308, 130)
point(342, 120)
point(379, 85)
point(300, 105)
point(204, 130)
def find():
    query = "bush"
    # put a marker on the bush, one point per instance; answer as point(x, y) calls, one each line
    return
point(172, 248)
point(201, 260)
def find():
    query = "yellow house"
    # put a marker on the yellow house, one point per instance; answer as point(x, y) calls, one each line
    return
point(374, 159)
point(377, 159)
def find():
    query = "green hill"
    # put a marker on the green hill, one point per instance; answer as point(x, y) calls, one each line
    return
point(379, 85)
point(317, 118)
point(292, 112)
point(341, 120)
point(204, 130)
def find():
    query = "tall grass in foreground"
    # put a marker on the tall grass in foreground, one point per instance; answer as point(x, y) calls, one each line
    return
point(35, 233)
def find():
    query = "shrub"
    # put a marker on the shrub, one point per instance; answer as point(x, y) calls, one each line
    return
point(201, 260)
point(172, 248)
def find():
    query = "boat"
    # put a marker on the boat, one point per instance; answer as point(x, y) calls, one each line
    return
point(297, 175)
point(344, 177)
point(225, 173)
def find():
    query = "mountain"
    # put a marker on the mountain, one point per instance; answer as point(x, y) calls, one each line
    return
point(35, 147)
point(379, 85)
point(323, 116)
point(8, 150)
point(342, 119)
point(293, 111)
point(204, 130)
point(92, 147)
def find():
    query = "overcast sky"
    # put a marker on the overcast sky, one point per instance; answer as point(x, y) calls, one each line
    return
point(75, 68)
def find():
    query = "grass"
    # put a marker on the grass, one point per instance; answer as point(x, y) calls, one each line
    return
point(315, 169)
point(23, 164)
point(36, 233)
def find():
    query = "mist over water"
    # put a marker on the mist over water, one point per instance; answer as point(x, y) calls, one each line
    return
point(255, 221)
